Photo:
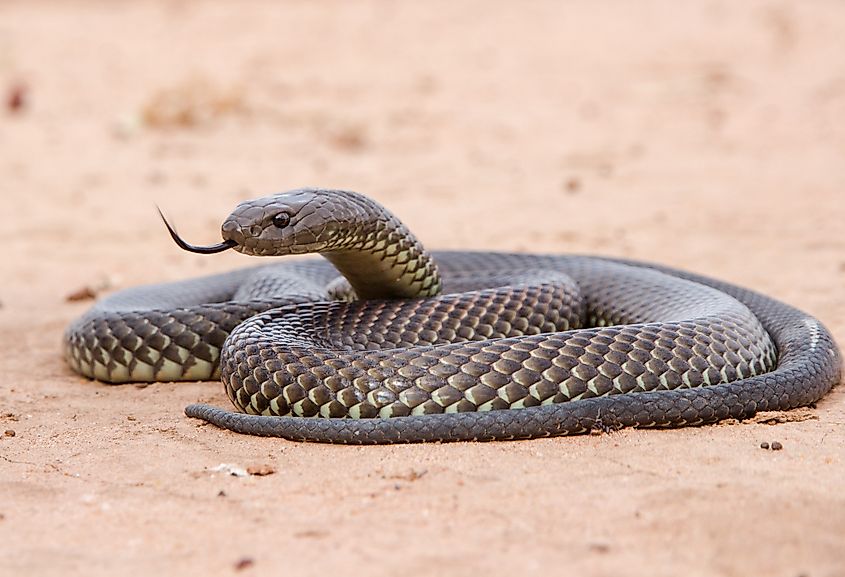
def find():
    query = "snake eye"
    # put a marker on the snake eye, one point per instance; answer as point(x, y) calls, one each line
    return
point(281, 220)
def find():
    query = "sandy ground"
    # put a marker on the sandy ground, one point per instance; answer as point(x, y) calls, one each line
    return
point(707, 136)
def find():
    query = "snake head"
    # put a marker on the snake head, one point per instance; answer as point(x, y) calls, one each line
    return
point(297, 222)
point(370, 247)
point(307, 220)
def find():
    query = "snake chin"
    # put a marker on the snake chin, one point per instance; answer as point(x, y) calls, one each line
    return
point(257, 247)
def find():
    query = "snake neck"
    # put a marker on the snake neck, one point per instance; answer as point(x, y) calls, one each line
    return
point(384, 260)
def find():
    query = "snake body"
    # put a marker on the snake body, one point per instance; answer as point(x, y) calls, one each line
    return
point(383, 342)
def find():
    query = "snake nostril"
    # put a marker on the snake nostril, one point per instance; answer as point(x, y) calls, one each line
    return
point(231, 229)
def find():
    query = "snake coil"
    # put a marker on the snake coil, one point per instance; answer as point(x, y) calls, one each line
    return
point(384, 342)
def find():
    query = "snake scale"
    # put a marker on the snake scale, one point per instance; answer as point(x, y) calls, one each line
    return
point(383, 342)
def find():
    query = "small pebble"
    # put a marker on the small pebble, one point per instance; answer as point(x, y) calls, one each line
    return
point(776, 446)
point(764, 445)
point(125, 127)
point(83, 294)
point(9, 433)
point(351, 138)
point(244, 563)
point(16, 98)
point(260, 470)
point(230, 469)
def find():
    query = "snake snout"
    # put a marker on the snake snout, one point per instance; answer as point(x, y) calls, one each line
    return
point(232, 230)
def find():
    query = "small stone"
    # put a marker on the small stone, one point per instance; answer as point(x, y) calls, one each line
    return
point(351, 138)
point(572, 185)
point(230, 469)
point(221, 493)
point(260, 470)
point(764, 445)
point(244, 563)
point(83, 294)
point(776, 446)
point(9, 433)
point(126, 126)
point(16, 98)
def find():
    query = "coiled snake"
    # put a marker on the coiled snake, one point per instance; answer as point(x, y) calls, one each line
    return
point(387, 343)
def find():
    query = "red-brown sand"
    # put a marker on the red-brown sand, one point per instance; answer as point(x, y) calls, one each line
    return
point(707, 136)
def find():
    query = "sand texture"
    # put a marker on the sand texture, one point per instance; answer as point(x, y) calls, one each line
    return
point(708, 136)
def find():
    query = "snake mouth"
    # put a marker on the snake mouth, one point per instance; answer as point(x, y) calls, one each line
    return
point(212, 249)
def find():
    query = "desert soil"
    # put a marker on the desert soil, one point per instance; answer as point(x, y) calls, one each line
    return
point(707, 136)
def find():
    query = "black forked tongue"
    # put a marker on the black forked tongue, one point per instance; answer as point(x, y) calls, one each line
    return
point(225, 245)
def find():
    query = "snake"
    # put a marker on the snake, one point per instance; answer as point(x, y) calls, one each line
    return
point(380, 341)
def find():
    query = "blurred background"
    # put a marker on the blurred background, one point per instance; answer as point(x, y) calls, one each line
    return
point(620, 128)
